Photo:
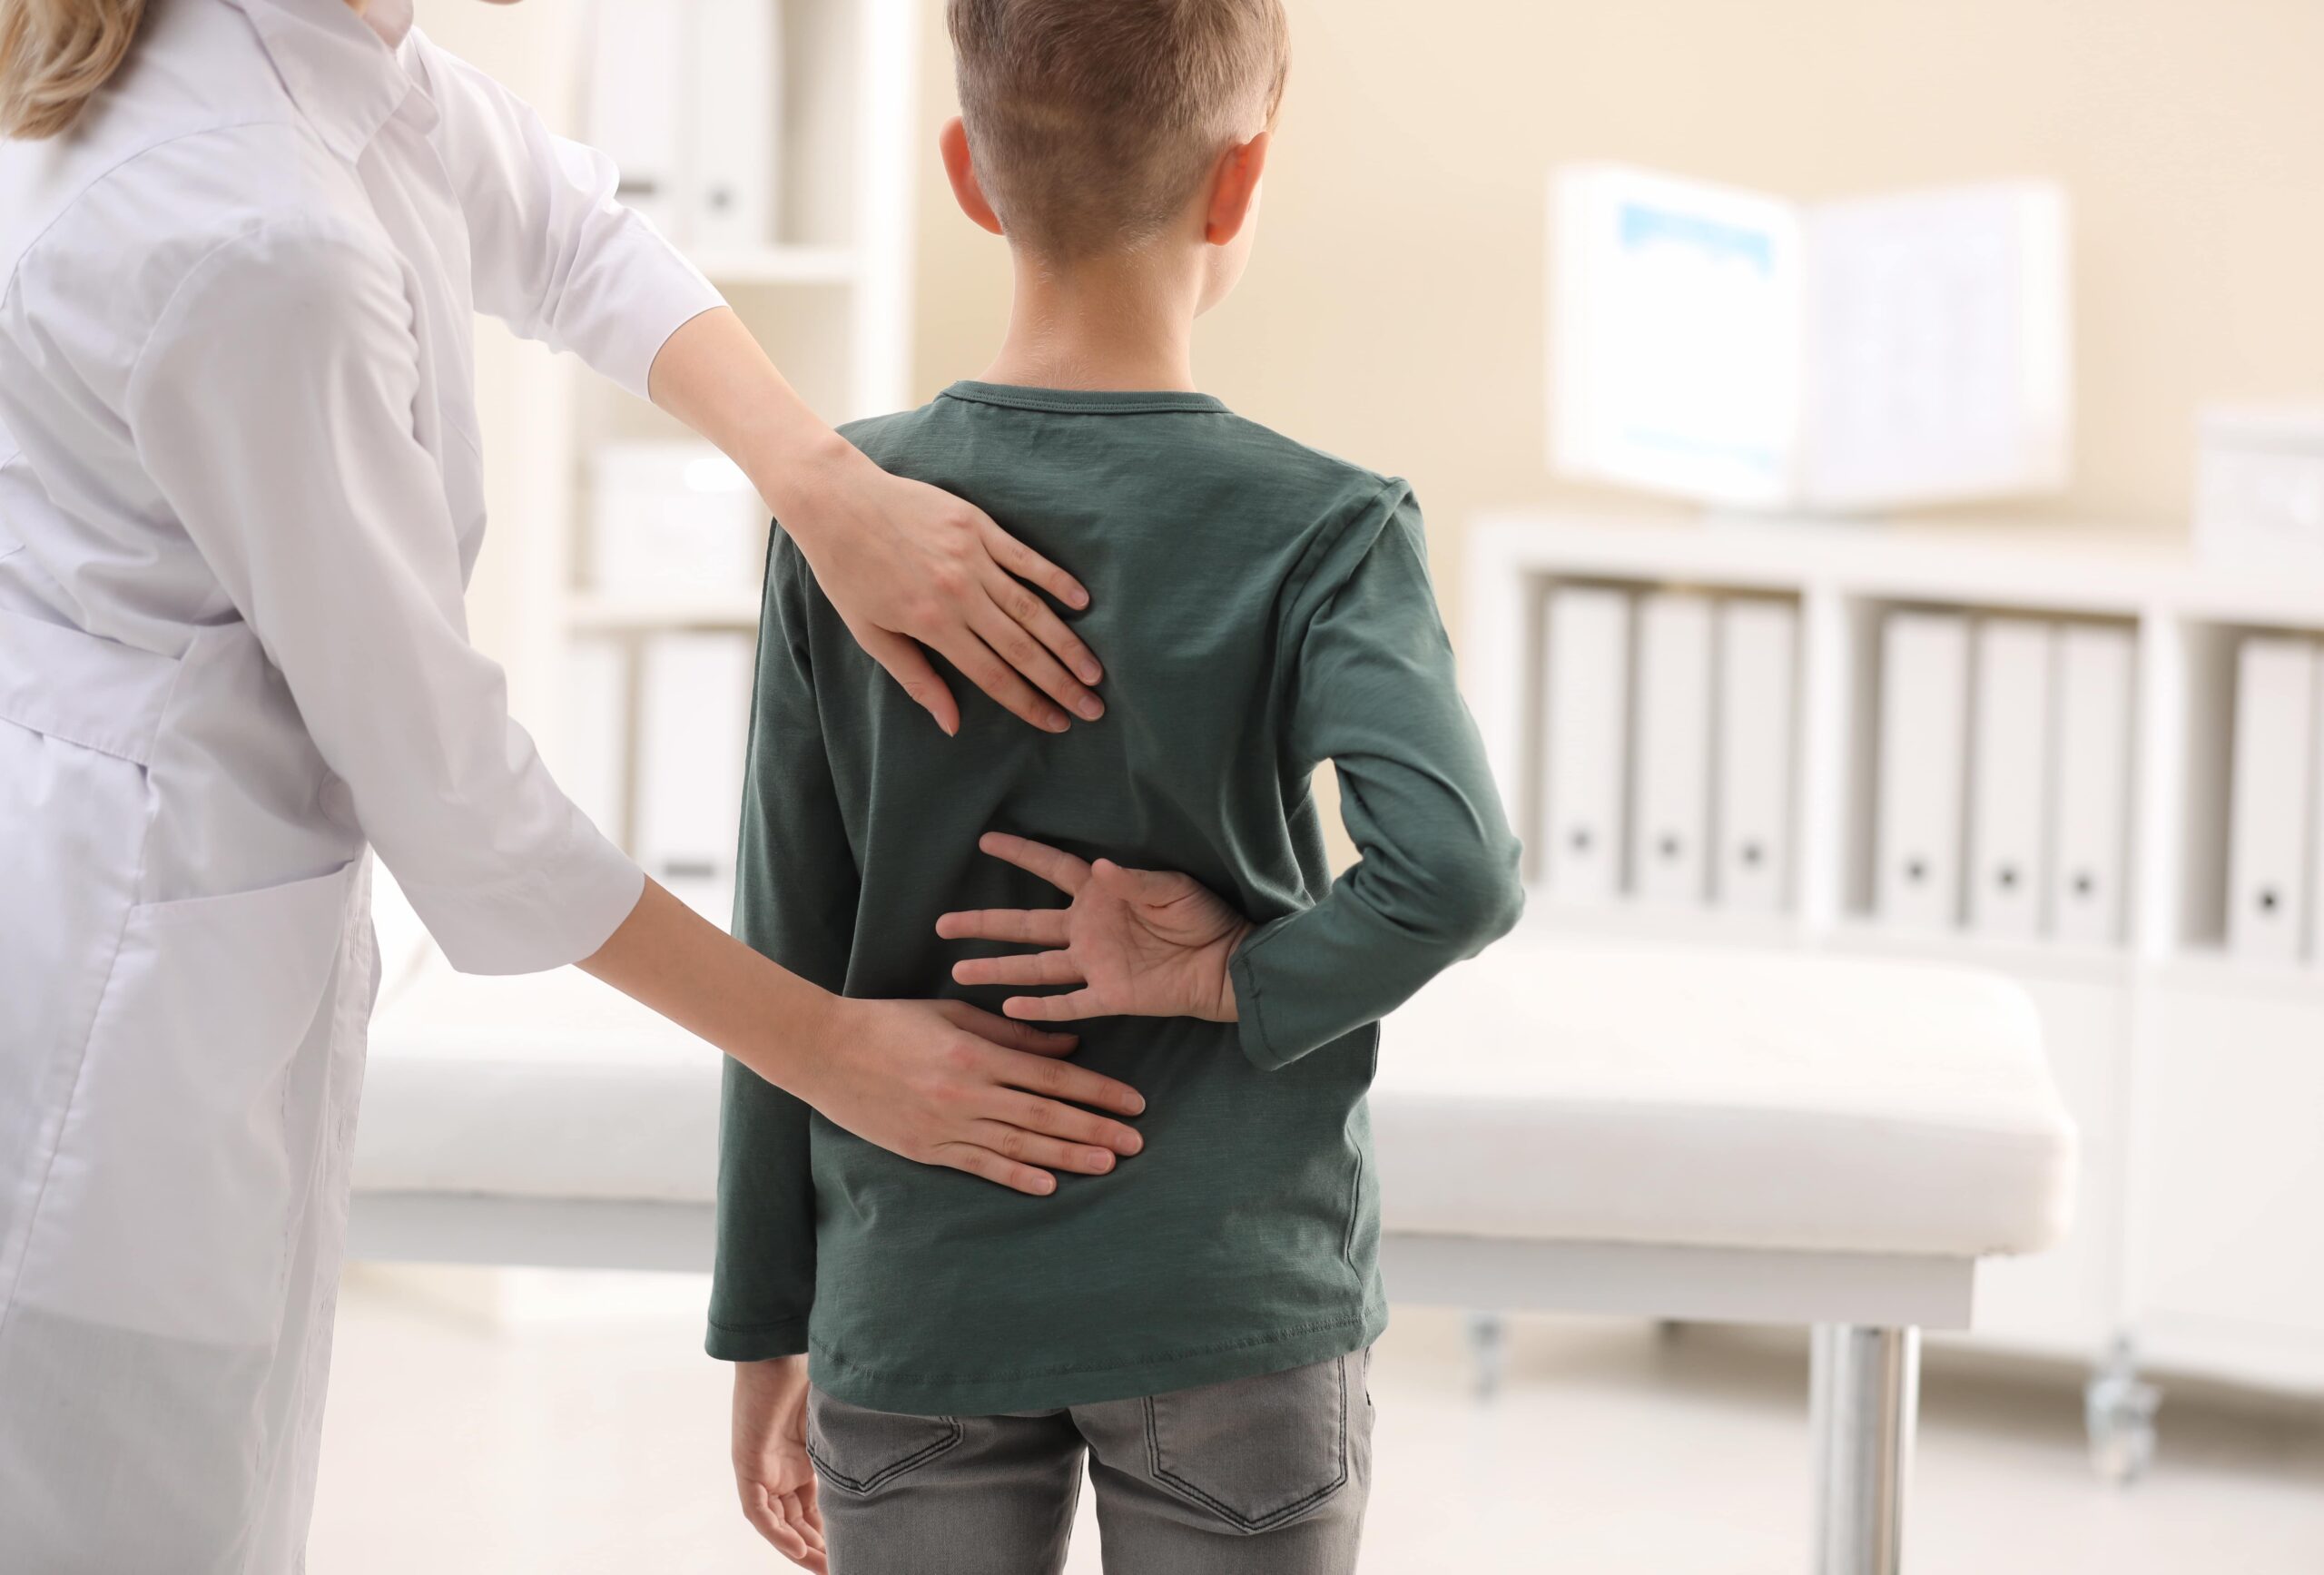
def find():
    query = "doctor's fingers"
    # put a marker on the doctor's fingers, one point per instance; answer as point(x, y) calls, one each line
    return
point(909, 666)
point(1039, 621)
point(1023, 1147)
point(1027, 967)
point(1055, 1079)
point(1026, 563)
point(996, 623)
point(1044, 1117)
point(961, 645)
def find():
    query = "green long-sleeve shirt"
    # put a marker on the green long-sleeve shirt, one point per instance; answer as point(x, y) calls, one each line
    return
point(1260, 607)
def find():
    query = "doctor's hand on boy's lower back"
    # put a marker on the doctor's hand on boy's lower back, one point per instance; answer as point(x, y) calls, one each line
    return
point(1000, 1101)
point(772, 1470)
point(1136, 942)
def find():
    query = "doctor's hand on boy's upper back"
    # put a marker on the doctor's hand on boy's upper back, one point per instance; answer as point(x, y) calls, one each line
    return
point(908, 565)
point(772, 1473)
point(1137, 943)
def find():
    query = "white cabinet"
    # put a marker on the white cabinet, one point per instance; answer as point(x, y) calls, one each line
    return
point(2194, 1069)
point(2229, 1252)
point(817, 261)
point(2068, 1301)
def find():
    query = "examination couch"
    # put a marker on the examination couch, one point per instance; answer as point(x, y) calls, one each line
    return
point(1661, 1133)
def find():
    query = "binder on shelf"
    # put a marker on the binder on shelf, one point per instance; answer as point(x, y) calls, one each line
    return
point(1671, 809)
point(2269, 797)
point(2090, 814)
point(640, 53)
point(1923, 738)
point(1586, 687)
point(736, 95)
point(695, 703)
point(2316, 826)
point(1756, 699)
point(590, 754)
point(2009, 800)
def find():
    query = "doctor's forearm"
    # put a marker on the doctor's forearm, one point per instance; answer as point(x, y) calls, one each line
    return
point(936, 1081)
point(667, 957)
point(712, 375)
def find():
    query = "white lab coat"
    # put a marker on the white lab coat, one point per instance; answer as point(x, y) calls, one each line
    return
point(240, 499)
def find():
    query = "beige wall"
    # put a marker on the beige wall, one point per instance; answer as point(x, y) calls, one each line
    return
point(1394, 309)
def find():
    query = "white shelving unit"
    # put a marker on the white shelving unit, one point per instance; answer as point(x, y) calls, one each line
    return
point(831, 298)
point(2196, 1078)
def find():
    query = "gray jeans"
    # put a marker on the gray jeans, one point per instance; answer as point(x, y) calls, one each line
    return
point(1262, 1475)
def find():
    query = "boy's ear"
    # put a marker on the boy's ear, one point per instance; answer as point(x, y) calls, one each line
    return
point(1233, 186)
point(952, 141)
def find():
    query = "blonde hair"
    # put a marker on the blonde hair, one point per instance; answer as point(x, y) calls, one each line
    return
point(1092, 122)
point(55, 54)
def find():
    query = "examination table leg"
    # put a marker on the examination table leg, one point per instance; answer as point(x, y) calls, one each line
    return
point(1863, 1393)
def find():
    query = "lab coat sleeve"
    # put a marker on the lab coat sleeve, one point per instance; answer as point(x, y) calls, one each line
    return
point(796, 896)
point(273, 407)
point(551, 251)
point(1373, 692)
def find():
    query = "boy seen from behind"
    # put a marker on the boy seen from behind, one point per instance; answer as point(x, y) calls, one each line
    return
point(943, 1353)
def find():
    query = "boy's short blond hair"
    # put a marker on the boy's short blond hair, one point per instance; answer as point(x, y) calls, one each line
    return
point(1091, 122)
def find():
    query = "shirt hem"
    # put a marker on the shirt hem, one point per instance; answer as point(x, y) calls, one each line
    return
point(1276, 1352)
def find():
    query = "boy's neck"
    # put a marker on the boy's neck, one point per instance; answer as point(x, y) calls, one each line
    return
point(1113, 323)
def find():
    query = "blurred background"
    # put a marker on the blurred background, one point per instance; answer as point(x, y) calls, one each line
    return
point(2163, 510)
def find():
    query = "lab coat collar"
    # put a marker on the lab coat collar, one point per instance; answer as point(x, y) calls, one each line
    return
point(343, 76)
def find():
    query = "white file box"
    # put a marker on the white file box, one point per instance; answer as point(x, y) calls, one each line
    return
point(2269, 804)
point(1757, 701)
point(1585, 741)
point(673, 519)
point(1671, 806)
point(695, 704)
point(2091, 814)
point(2009, 800)
point(736, 99)
point(1924, 735)
point(590, 754)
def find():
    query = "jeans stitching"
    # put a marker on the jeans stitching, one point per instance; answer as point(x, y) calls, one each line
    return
point(954, 1432)
point(1232, 1516)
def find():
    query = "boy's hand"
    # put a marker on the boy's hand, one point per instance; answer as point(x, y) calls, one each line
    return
point(772, 1470)
point(1138, 942)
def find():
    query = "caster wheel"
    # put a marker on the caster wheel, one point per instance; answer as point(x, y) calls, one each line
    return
point(1488, 1352)
point(2118, 1411)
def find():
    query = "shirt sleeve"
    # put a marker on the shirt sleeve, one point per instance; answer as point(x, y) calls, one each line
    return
point(795, 900)
point(551, 251)
point(272, 406)
point(1373, 692)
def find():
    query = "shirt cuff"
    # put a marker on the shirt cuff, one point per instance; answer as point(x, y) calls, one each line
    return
point(1267, 1051)
point(758, 1343)
point(553, 914)
point(660, 292)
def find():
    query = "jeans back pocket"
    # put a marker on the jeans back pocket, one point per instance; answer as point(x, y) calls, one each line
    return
point(1257, 1452)
point(859, 1451)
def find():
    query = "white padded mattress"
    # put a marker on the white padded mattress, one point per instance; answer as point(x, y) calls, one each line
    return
point(1550, 1090)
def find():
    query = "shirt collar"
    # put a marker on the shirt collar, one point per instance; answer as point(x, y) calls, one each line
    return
point(340, 71)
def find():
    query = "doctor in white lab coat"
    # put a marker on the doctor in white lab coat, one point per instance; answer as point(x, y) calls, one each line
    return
point(240, 245)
